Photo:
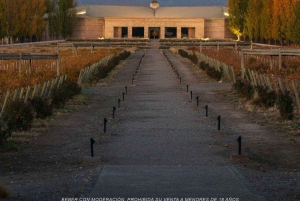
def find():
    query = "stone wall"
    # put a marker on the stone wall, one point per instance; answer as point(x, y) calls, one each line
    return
point(90, 28)
point(111, 23)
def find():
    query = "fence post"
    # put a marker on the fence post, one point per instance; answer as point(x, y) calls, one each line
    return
point(280, 84)
point(27, 94)
point(5, 102)
point(296, 94)
point(20, 64)
point(15, 94)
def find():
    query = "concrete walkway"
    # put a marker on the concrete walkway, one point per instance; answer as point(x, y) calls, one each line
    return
point(161, 146)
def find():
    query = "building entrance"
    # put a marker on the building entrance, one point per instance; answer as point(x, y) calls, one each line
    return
point(154, 32)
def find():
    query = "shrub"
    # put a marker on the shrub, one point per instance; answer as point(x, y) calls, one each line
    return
point(203, 65)
point(103, 70)
point(41, 107)
point(266, 98)
point(18, 116)
point(213, 73)
point(3, 133)
point(244, 89)
point(193, 58)
point(285, 105)
point(183, 53)
point(65, 92)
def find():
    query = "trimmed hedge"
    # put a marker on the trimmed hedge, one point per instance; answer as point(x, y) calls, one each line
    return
point(18, 116)
point(65, 92)
point(283, 101)
point(211, 71)
point(41, 108)
point(103, 70)
point(285, 105)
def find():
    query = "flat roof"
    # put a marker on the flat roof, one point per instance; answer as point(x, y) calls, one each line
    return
point(102, 11)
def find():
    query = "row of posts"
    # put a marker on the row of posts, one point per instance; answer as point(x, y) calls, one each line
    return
point(197, 101)
point(114, 109)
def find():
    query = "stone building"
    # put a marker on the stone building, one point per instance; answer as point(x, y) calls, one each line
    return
point(100, 21)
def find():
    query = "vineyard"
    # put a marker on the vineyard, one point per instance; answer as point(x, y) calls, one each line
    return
point(265, 77)
point(71, 64)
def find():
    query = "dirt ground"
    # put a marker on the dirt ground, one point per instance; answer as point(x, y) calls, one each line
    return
point(48, 164)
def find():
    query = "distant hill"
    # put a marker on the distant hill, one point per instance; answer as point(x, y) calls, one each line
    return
point(161, 2)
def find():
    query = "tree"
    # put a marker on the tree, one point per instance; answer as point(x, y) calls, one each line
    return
point(237, 11)
point(37, 24)
point(266, 17)
point(67, 16)
point(53, 20)
point(3, 19)
point(253, 19)
point(294, 26)
point(61, 17)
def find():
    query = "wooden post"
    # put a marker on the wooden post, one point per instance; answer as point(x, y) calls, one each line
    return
point(271, 62)
point(287, 85)
point(296, 94)
point(30, 66)
point(58, 67)
point(269, 84)
point(15, 94)
point(43, 89)
point(243, 64)
point(236, 45)
point(280, 84)
point(21, 93)
point(5, 102)
point(280, 59)
point(275, 85)
point(218, 46)
point(27, 94)
point(20, 64)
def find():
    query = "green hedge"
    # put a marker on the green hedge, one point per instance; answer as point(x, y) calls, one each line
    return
point(103, 70)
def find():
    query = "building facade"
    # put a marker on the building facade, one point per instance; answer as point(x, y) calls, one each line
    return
point(99, 21)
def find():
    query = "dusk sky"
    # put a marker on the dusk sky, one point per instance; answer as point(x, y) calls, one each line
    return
point(161, 2)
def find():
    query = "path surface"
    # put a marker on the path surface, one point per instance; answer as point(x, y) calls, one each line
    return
point(160, 144)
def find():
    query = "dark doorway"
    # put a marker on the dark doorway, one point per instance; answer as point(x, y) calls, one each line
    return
point(138, 32)
point(124, 32)
point(184, 32)
point(171, 32)
point(154, 32)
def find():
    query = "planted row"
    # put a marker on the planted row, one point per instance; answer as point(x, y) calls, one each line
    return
point(19, 114)
point(262, 97)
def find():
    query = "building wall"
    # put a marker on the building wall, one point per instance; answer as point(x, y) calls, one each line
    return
point(215, 28)
point(228, 33)
point(110, 23)
point(89, 28)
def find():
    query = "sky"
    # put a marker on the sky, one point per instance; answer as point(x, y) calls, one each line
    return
point(161, 2)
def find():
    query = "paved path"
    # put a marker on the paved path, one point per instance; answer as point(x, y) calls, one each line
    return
point(160, 143)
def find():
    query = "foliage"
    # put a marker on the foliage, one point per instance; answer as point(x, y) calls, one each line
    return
point(61, 17)
point(211, 71)
point(244, 89)
point(237, 12)
point(285, 105)
point(267, 19)
point(183, 53)
point(3, 133)
point(65, 92)
point(41, 107)
point(103, 70)
point(18, 116)
point(193, 58)
point(71, 64)
point(266, 98)
point(25, 18)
